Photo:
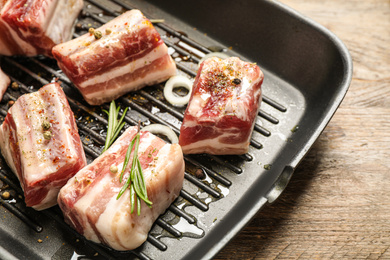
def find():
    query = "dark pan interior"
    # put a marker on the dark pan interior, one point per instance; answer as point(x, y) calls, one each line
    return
point(307, 73)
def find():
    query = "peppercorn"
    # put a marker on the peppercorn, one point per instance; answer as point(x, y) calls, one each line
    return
point(15, 85)
point(5, 195)
point(45, 125)
point(236, 81)
point(78, 26)
point(98, 34)
point(113, 169)
point(200, 174)
point(47, 135)
point(91, 30)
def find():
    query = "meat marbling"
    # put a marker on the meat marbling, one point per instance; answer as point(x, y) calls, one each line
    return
point(42, 165)
point(221, 113)
point(32, 27)
point(129, 55)
point(89, 199)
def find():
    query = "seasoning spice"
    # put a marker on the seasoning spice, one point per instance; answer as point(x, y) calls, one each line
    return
point(294, 129)
point(200, 174)
point(98, 34)
point(157, 20)
point(5, 195)
point(47, 135)
point(113, 169)
point(236, 81)
point(45, 125)
point(91, 30)
point(15, 85)
point(108, 31)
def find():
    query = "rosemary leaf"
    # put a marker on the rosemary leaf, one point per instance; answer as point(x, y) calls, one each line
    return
point(140, 188)
point(126, 161)
point(136, 184)
point(141, 179)
point(135, 181)
point(138, 206)
point(115, 135)
point(110, 125)
point(123, 115)
point(127, 184)
point(132, 199)
point(105, 111)
point(135, 156)
point(114, 125)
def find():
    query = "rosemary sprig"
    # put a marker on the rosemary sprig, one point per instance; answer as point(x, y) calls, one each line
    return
point(114, 126)
point(135, 182)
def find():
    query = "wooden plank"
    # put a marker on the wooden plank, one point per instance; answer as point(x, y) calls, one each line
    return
point(337, 205)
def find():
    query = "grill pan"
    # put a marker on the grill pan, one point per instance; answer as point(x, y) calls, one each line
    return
point(307, 73)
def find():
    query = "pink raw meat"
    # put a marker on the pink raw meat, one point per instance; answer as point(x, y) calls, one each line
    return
point(4, 82)
point(220, 116)
point(32, 27)
point(42, 165)
point(129, 55)
point(89, 199)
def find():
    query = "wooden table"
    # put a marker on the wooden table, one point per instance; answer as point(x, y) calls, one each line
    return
point(337, 204)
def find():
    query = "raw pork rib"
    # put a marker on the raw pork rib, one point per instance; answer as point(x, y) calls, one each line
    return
point(89, 202)
point(129, 55)
point(42, 165)
point(4, 82)
point(32, 27)
point(220, 116)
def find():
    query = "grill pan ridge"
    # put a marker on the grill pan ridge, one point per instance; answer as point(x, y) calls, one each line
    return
point(220, 193)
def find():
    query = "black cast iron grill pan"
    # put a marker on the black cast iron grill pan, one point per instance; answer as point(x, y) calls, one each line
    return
point(307, 73)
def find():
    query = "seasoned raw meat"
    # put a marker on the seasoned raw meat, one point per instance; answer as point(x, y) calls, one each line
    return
point(4, 82)
point(129, 55)
point(89, 200)
point(32, 27)
point(220, 116)
point(40, 142)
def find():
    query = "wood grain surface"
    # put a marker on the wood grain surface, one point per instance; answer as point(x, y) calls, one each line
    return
point(337, 204)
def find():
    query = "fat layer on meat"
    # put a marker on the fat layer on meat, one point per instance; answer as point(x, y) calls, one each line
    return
point(4, 83)
point(89, 199)
point(42, 165)
point(221, 113)
point(129, 55)
point(32, 27)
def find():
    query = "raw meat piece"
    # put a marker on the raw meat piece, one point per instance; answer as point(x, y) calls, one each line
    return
point(32, 27)
point(43, 160)
point(220, 116)
point(129, 55)
point(4, 82)
point(89, 202)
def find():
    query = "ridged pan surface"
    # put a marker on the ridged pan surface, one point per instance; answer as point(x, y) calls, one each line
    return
point(307, 73)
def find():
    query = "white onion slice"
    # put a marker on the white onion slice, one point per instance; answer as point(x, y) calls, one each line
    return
point(174, 82)
point(162, 130)
point(213, 54)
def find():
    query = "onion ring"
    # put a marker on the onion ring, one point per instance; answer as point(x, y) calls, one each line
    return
point(163, 130)
point(221, 55)
point(174, 82)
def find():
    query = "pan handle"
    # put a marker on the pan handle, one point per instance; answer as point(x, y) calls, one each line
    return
point(280, 184)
